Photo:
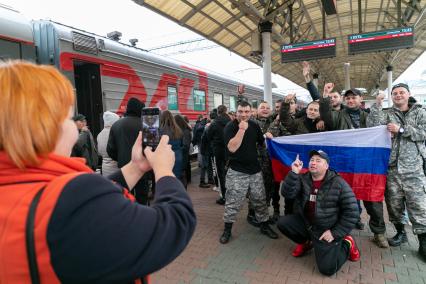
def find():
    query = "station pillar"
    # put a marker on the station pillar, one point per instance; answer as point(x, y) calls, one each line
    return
point(266, 30)
point(389, 73)
point(346, 67)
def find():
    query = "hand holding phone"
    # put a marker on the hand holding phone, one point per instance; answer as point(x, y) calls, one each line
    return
point(150, 127)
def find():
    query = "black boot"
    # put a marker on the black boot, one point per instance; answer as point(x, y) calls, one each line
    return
point(221, 201)
point(276, 215)
point(422, 246)
point(251, 218)
point(359, 225)
point(266, 230)
point(226, 234)
point(400, 237)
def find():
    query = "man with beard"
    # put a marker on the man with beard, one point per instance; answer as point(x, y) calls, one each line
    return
point(406, 181)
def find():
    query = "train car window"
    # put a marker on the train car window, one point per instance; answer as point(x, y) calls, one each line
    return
point(199, 100)
point(232, 103)
point(9, 50)
point(254, 103)
point(172, 98)
point(217, 100)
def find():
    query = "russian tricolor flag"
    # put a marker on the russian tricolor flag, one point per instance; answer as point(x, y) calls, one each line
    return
point(360, 156)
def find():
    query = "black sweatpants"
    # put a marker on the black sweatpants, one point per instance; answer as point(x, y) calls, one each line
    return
point(329, 256)
point(221, 174)
point(377, 221)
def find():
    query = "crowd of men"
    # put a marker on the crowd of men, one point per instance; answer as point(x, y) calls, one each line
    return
point(324, 223)
point(320, 208)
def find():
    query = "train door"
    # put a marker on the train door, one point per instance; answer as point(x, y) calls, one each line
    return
point(87, 78)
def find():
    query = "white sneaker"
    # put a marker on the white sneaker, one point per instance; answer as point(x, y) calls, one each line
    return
point(215, 188)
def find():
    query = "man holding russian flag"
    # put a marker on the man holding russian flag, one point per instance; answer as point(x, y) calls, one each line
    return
point(352, 116)
point(326, 211)
point(406, 181)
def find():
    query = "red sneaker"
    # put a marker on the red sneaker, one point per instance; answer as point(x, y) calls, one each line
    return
point(301, 249)
point(354, 254)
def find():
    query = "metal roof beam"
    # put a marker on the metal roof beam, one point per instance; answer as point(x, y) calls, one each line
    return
point(271, 14)
point(195, 10)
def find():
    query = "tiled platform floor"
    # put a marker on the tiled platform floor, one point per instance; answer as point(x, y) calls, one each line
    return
point(253, 258)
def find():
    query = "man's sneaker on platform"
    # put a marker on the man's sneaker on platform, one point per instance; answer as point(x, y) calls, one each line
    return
point(301, 249)
point(354, 254)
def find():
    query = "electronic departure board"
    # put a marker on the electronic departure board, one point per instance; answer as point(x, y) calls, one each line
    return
point(309, 50)
point(381, 40)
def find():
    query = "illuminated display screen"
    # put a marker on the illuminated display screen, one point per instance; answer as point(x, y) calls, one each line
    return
point(381, 40)
point(309, 50)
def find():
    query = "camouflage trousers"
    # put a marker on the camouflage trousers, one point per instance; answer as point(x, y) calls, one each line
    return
point(237, 186)
point(407, 192)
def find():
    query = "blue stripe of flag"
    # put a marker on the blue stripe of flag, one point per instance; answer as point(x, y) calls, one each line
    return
point(355, 160)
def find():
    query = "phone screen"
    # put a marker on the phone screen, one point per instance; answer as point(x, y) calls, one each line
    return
point(150, 127)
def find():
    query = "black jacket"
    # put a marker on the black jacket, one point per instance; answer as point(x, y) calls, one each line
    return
point(204, 144)
point(122, 136)
point(336, 207)
point(215, 135)
point(197, 131)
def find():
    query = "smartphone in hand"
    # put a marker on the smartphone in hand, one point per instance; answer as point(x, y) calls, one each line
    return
point(150, 127)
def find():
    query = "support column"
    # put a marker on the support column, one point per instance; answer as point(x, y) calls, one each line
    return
point(388, 97)
point(347, 77)
point(266, 29)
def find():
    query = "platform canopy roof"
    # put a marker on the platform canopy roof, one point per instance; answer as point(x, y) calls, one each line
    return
point(230, 23)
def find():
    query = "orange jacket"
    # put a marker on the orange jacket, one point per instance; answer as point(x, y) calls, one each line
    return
point(18, 190)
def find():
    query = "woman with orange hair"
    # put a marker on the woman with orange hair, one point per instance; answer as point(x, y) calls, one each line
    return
point(59, 221)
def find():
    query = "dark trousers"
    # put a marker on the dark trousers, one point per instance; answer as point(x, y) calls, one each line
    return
point(188, 174)
point(329, 256)
point(288, 206)
point(210, 170)
point(276, 196)
point(377, 221)
point(220, 168)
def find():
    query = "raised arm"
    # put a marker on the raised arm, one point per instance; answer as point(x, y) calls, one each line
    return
point(376, 116)
point(313, 91)
point(292, 185)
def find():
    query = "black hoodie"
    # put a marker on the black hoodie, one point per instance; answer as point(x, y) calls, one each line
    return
point(124, 132)
point(215, 135)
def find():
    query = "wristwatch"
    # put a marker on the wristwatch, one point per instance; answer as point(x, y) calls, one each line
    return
point(401, 130)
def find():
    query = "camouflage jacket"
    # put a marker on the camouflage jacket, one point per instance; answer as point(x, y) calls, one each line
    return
point(277, 128)
point(264, 123)
point(408, 148)
point(261, 149)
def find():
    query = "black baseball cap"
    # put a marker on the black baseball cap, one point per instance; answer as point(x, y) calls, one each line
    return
point(320, 153)
point(401, 85)
point(355, 92)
